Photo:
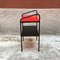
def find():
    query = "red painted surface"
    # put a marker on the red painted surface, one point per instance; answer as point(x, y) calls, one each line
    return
point(34, 18)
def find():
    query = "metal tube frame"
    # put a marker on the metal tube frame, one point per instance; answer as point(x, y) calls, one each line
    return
point(21, 26)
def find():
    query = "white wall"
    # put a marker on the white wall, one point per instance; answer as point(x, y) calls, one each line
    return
point(50, 21)
point(9, 20)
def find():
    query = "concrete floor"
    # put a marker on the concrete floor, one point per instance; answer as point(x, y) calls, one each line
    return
point(49, 48)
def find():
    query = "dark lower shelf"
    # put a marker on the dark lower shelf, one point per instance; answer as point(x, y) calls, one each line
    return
point(29, 31)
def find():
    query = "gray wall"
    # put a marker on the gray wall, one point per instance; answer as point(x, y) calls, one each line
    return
point(49, 24)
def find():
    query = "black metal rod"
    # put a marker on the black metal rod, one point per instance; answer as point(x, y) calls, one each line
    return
point(39, 36)
point(20, 27)
point(30, 12)
point(39, 44)
point(23, 38)
point(36, 38)
point(21, 45)
point(36, 28)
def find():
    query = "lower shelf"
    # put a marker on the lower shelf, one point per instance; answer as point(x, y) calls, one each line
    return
point(29, 31)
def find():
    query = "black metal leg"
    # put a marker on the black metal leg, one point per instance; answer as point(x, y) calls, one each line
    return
point(39, 44)
point(23, 38)
point(21, 45)
point(36, 29)
point(39, 36)
point(36, 38)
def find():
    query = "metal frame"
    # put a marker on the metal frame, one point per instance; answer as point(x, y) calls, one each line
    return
point(29, 12)
point(21, 26)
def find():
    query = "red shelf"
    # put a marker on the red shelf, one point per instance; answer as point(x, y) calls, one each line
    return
point(34, 18)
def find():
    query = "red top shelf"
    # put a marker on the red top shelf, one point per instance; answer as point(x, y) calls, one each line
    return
point(33, 18)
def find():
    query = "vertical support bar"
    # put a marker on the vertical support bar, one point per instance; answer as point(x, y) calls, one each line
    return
point(23, 38)
point(23, 31)
point(20, 27)
point(39, 44)
point(21, 45)
point(39, 35)
point(36, 28)
point(36, 38)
